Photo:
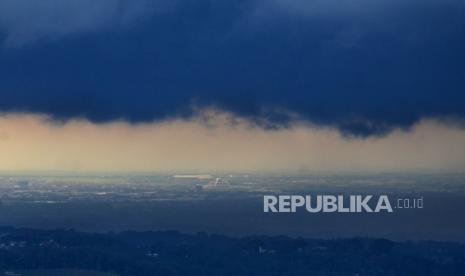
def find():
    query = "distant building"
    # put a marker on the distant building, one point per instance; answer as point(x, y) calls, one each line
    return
point(193, 179)
point(193, 176)
point(216, 183)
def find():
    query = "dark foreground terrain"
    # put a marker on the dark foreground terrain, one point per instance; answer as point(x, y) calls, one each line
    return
point(67, 252)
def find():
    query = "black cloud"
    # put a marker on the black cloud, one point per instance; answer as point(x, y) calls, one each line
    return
point(364, 73)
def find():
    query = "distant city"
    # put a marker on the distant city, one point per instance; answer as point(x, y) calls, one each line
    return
point(230, 204)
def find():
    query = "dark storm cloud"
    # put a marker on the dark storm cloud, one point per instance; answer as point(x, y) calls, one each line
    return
point(365, 67)
point(26, 21)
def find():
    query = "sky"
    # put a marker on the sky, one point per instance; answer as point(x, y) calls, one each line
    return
point(203, 85)
point(33, 143)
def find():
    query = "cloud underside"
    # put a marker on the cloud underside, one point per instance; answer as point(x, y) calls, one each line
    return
point(363, 67)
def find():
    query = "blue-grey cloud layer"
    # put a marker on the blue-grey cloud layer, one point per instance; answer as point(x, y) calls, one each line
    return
point(364, 67)
point(26, 21)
